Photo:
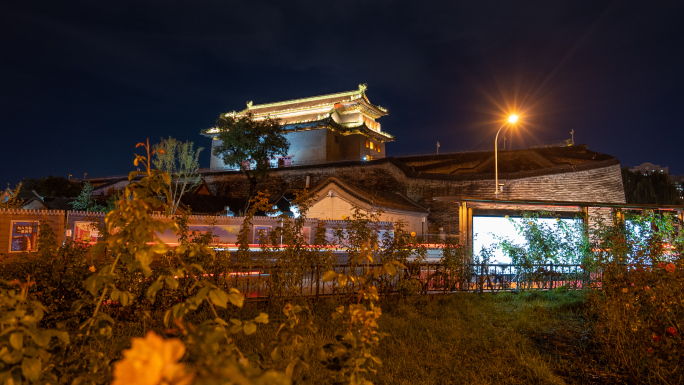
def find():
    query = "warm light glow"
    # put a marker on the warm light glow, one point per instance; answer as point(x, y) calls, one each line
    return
point(513, 118)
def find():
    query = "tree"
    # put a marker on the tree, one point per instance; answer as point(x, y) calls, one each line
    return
point(652, 188)
point(181, 161)
point(52, 186)
point(249, 144)
point(85, 200)
point(12, 201)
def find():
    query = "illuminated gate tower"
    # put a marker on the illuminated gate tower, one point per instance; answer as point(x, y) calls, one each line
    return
point(321, 129)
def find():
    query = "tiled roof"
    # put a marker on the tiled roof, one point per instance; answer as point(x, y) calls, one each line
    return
point(383, 199)
point(474, 165)
point(329, 122)
point(49, 203)
point(28, 194)
point(509, 162)
point(210, 204)
point(300, 103)
point(300, 118)
point(323, 104)
point(58, 203)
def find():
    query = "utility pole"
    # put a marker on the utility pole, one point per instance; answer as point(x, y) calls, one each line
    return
point(438, 148)
point(573, 136)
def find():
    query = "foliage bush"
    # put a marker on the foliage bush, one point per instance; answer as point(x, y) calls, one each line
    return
point(638, 309)
point(185, 295)
point(636, 301)
point(62, 306)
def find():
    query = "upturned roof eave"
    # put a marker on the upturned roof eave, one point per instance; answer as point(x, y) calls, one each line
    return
point(357, 129)
point(371, 109)
point(303, 100)
point(361, 92)
point(377, 110)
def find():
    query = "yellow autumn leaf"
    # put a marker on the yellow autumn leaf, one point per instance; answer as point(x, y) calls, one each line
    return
point(151, 361)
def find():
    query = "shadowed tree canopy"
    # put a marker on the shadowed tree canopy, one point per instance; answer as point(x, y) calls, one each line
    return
point(52, 186)
point(249, 144)
point(653, 188)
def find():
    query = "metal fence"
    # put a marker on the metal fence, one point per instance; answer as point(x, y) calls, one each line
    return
point(267, 282)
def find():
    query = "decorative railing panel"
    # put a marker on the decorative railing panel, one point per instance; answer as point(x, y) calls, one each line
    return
point(272, 281)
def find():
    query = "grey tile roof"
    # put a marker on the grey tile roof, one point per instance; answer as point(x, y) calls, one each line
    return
point(386, 199)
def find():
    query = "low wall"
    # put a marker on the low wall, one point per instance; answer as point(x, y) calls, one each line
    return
point(19, 228)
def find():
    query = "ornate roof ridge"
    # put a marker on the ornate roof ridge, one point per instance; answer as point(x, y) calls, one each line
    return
point(361, 90)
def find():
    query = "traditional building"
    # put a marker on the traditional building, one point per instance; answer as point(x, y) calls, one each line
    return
point(572, 173)
point(335, 199)
point(321, 129)
point(337, 153)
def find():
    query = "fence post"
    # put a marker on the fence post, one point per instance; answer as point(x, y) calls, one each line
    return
point(427, 275)
point(480, 278)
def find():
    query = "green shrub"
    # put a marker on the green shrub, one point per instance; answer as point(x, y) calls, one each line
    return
point(96, 294)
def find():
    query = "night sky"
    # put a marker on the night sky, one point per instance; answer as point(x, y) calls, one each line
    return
point(82, 82)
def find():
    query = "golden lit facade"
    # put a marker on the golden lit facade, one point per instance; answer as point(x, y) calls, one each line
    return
point(322, 129)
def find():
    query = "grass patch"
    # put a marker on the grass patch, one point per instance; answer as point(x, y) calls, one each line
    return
point(476, 339)
point(504, 338)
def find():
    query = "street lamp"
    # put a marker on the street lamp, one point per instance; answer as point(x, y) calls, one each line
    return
point(511, 120)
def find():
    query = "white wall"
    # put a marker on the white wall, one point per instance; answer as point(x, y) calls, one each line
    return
point(337, 207)
point(330, 208)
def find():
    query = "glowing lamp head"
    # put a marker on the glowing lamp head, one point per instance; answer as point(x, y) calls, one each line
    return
point(512, 118)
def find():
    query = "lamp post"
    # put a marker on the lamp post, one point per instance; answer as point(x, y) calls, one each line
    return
point(511, 120)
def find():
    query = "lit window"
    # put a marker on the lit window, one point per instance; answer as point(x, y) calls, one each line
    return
point(371, 145)
point(367, 144)
point(378, 148)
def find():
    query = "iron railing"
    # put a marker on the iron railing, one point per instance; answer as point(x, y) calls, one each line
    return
point(267, 282)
